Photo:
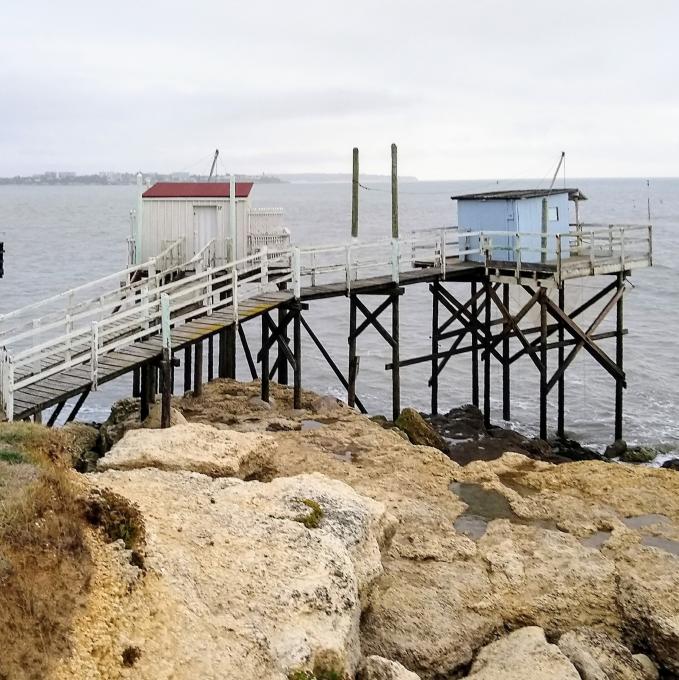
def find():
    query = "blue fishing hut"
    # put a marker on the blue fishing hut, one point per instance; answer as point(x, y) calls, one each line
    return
point(518, 218)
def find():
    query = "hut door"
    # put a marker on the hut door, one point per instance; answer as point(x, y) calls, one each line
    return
point(204, 226)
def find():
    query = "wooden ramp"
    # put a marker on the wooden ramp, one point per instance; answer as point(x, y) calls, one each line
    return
point(76, 381)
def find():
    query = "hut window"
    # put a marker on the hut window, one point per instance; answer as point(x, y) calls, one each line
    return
point(554, 214)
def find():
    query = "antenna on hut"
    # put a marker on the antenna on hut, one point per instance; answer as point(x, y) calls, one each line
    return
point(214, 163)
point(545, 210)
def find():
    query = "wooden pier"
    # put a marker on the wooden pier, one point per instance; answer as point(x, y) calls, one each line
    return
point(148, 318)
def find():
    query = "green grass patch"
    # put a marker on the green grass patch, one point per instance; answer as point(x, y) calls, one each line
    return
point(12, 457)
point(312, 519)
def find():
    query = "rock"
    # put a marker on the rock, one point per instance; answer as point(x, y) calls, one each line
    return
point(573, 450)
point(152, 421)
point(650, 669)
point(638, 454)
point(382, 421)
point(464, 422)
point(244, 589)
point(325, 404)
point(378, 668)
point(259, 403)
point(124, 416)
point(419, 431)
point(195, 447)
point(596, 656)
point(616, 449)
point(525, 653)
point(86, 445)
point(671, 464)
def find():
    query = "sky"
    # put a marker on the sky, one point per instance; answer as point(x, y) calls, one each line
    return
point(474, 89)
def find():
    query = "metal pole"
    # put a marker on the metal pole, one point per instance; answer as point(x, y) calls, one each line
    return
point(434, 348)
point(354, 196)
point(619, 332)
point(475, 347)
point(561, 397)
point(506, 380)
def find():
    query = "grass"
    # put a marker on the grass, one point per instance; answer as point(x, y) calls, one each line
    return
point(310, 520)
point(320, 672)
point(12, 457)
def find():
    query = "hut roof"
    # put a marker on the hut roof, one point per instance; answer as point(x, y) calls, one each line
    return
point(573, 194)
point(196, 190)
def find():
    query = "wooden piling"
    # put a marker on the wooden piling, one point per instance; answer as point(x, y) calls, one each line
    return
point(265, 358)
point(198, 369)
point(187, 368)
point(506, 378)
point(474, 346)
point(561, 395)
point(297, 379)
point(434, 347)
point(619, 333)
point(136, 377)
point(281, 358)
point(210, 358)
point(395, 357)
point(166, 388)
point(487, 355)
point(353, 361)
point(145, 389)
point(543, 364)
point(394, 192)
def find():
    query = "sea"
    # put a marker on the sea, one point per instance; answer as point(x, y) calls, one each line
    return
point(57, 237)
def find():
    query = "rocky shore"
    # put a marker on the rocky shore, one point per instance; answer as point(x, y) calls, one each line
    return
point(258, 541)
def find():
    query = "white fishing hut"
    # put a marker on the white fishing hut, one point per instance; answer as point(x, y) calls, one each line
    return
point(519, 214)
point(210, 220)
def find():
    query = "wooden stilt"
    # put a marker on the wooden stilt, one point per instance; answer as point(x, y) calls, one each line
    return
point(353, 360)
point(187, 368)
point(543, 364)
point(561, 396)
point(198, 369)
point(136, 390)
point(506, 385)
point(282, 363)
point(78, 404)
point(434, 288)
point(395, 356)
point(474, 348)
point(166, 388)
point(230, 347)
point(145, 391)
point(487, 355)
point(210, 358)
point(55, 413)
point(619, 383)
point(246, 351)
point(153, 383)
point(265, 357)
point(297, 394)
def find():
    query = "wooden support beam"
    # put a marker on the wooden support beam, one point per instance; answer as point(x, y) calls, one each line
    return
point(265, 356)
point(145, 391)
point(55, 414)
point(330, 361)
point(395, 356)
point(246, 351)
point(543, 363)
point(506, 385)
point(78, 405)
point(297, 366)
point(486, 356)
point(198, 369)
point(136, 389)
point(371, 317)
point(283, 341)
point(210, 358)
point(166, 387)
point(353, 359)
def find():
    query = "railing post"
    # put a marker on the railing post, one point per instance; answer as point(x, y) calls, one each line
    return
point(166, 363)
point(94, 355)
point(7, 386)
point(650, 244)
point(558, 258)
point(296, 273)
point(442, 251)
point(395, 260)
point(348, 268)
point(517, 255)
point(264, 264)
point(313, 268)
point(591, 251)
point(622, 248)
point(234, 293)
point(210, 297)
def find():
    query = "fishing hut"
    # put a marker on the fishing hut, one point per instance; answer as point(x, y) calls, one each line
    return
point(513, 254)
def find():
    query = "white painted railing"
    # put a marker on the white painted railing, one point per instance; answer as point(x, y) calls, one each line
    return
point(80, 326)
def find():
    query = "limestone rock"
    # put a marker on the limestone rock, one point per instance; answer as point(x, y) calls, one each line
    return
point(124, 416)
point(616, 449)
point(671, 464)
point(419, 431)
point(378, 668)
point(195, 447)
point(86, 445)
point(650, 669)
point(525, 653)
point(598, 657)
point(152, 421)
point(638, 454)
point(238, 586)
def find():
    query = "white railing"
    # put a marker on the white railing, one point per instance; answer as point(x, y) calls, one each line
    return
point(80, 326)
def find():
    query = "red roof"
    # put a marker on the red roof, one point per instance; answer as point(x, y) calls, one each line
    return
point(196, 190)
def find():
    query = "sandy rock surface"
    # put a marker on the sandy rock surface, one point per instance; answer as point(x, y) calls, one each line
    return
point(193, 447)
point(152, 421)
point(377, 668)
point(523, 654)
point(238, 585)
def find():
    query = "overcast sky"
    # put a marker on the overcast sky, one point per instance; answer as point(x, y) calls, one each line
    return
point(480, 88)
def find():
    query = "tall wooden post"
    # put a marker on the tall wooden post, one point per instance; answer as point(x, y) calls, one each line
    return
point(210, 358)
point(394, 193)
point(506, 378)
point(619, 332)
point(487, 353)
point(136, 377)
point(187, 368)
point(395, 357)
point(353, 361)
point(166, 363)
point(198, 370)
point(297, 348)
point(545, 230)
point(354, 196)
point(543, 364)
point(435, 347)
point(561, 396)
point(475, 346)
point(265, 358)
point(145, 389)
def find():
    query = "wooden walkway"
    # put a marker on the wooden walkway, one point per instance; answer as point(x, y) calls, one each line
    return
point(77, 381)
